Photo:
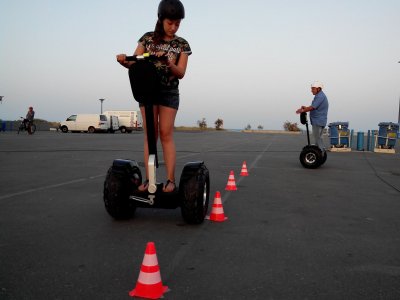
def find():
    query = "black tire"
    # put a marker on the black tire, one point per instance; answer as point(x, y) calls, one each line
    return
point(194, 193)
point(118, 186)
point(64, 129)
point(123, 129)
point(20, 128)
point(311, 157)
point(91, 129)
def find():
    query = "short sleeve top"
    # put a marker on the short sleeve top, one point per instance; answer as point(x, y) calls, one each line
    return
point(172, 49)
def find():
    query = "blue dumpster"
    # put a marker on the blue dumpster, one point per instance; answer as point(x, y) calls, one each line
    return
point(387, 134)
point(339, 134)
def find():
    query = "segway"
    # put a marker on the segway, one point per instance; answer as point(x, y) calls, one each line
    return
point(121, 195)
point(311, 157)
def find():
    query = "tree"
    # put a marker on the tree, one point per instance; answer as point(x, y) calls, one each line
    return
point(202, 124)
point(248, 127)
point(260, 127)
point(288, 126)
point(219, 123)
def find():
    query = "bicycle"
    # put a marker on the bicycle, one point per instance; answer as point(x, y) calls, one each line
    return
point(26, 125)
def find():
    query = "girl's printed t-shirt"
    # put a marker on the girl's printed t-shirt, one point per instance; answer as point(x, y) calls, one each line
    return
point(172, 50)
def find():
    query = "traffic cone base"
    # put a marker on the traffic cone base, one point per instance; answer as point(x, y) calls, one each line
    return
point(149, 284)
point(231, 185)
point(244, 172)
point(217, 211)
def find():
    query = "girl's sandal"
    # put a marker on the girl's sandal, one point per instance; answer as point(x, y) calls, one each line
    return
point(144, 186)
point(167, 186)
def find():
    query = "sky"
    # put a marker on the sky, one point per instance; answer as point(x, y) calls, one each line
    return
point(252, 64)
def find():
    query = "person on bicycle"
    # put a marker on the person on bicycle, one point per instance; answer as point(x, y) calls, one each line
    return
point(30, 115)
point(163, 41)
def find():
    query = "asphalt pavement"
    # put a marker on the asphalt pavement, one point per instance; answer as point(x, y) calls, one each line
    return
point(291, 232)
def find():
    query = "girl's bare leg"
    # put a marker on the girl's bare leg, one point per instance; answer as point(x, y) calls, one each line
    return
point(166, 123)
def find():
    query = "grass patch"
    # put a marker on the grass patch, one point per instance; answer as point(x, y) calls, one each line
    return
point(186, 128)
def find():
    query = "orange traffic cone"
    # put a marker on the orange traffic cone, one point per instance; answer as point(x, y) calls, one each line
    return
point(231, 185)
point(244, 172)
point(149, 283)
point(217, 211)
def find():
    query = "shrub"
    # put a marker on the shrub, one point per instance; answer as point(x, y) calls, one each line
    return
point(219, 123)
point(202, 124)
point(288, 126)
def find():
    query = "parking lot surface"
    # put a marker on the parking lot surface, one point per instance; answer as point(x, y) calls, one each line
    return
point(291, 233)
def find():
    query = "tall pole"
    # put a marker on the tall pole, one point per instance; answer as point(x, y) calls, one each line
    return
point(398, 118)
point(101, 105)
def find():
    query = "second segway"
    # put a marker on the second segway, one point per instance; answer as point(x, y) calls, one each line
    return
point(311, 157)
point(121, 195)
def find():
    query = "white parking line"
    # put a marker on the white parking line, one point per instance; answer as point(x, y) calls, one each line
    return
point(49, 187)
point(252, 165)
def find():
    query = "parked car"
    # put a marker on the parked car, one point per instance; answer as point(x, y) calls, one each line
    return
point(85, 122)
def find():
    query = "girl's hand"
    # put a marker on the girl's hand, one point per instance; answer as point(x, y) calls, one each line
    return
point(121, 58)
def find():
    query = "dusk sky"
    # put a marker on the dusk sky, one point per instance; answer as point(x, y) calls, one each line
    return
point(253, 61)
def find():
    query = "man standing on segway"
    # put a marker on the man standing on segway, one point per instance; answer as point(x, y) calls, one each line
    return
point(318, 112)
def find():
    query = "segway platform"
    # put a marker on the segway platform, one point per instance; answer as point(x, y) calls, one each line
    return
point(147, 200)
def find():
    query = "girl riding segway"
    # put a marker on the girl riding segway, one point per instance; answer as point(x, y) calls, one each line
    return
point(163, 42)
point(158, 63)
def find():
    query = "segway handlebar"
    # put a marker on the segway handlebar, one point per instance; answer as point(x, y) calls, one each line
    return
point(138, 57)
point(303, 118)
point(145, 56)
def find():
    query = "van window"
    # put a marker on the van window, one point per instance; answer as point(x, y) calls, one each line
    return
point(103, 118)
point(72, 118)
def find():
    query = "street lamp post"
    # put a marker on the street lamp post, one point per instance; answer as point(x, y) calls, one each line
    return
point(398, 118)
point(101, 105)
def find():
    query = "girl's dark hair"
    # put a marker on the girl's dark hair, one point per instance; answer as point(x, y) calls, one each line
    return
point(158, 32)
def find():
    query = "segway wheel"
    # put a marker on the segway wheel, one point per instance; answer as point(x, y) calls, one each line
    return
point(311, 157)
point(121, 180)
point(194, 192)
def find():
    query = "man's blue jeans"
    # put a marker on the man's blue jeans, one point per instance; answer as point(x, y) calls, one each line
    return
point(317, 133)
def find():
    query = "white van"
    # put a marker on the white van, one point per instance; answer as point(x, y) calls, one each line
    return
point(113, 124)
point(85, 122)
point(129, 120)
